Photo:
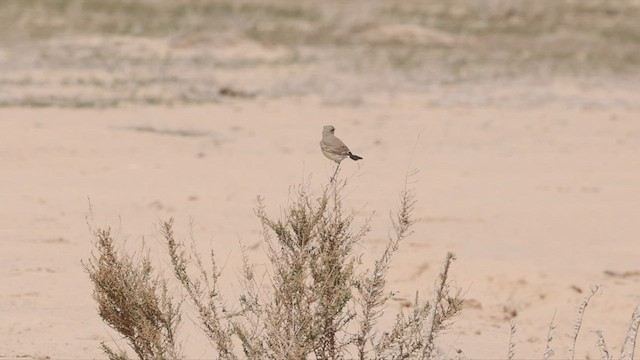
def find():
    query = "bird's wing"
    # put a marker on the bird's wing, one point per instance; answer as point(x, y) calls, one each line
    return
point(334, 145)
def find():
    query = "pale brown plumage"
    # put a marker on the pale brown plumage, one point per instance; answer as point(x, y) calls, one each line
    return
point(333, 148)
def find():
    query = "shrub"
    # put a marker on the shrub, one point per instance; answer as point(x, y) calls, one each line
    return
point(317, 304)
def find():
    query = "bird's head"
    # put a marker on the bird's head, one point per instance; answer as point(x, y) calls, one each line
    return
point(328, 129)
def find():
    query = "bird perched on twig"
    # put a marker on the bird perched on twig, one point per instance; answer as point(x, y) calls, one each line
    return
point(334, 149)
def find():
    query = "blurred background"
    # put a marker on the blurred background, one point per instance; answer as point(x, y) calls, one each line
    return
point(522, 117)
point(105, 53)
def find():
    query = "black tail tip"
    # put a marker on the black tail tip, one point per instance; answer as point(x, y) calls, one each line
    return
point(355, 157)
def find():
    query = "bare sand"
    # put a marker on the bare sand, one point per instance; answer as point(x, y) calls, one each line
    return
point(539, 203)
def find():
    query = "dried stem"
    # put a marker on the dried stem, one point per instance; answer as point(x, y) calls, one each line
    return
point(578, 322)
point(629, 345)
point(438, 296)
point(512, 346)
point(548, 351)
point(602, 346)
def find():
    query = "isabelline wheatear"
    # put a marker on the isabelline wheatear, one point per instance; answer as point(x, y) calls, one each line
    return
point(333, 148)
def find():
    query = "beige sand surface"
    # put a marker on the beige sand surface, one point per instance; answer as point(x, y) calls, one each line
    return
point(538, 203)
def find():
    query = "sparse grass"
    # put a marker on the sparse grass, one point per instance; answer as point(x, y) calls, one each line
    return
point(318, 302)
point(520, 18)
point(566, 37)
point(627, 349)
point(414, 43)
point(42, 19)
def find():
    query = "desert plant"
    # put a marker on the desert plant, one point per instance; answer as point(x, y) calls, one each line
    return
point(317, 303)
point(628, 346)
point(133, 301)
point(627, 350)
point(578, 322)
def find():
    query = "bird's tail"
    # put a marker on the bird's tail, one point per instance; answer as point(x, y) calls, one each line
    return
point(354, 157)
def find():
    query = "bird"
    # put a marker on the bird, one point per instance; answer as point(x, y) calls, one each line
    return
point(334, 149)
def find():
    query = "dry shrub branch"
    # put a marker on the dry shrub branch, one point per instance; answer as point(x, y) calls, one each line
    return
point(317, 301)
point(133, 301)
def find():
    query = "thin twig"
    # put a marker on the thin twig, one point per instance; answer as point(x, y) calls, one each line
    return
point(578, 323)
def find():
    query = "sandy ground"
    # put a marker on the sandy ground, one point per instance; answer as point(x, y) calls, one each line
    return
point(538, 202)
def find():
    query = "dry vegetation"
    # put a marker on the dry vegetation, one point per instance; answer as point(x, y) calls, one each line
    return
point(627, 350)
point(105, 53)
point(314, 300)
point(317, 303)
